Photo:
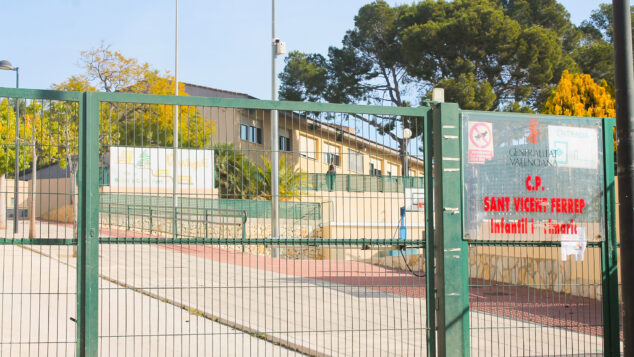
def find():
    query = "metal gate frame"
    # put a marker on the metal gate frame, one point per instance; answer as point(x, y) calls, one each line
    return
point(442, 145)
point(452, 252)
point(88, 240)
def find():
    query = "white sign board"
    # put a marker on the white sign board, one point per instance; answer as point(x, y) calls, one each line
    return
point(415, 199)
point(532, 178)
point(576, 147)
point(154, 167)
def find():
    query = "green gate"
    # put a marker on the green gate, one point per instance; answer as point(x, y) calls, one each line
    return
point(506, 282)
point(130, 251)
point(136, 243)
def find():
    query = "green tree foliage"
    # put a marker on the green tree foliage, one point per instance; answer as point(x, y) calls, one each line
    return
point(595, 53)
point(468, 92)
point(236, 175)
point(486, 54)
point(367, 68)
point(290, 180)
point(511, 50)
point(477, 37)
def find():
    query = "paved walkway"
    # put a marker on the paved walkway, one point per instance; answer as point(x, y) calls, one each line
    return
point(38, 311)
point(318, 307)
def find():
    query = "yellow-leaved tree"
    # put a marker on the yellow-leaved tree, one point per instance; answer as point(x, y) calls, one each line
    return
point(124, 124)
point(136, 124)
point(577, 94)
point(7, 155)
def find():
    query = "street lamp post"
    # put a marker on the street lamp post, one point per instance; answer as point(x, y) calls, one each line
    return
point(407, 134)
point(277, 49)
point(6, 65)
point(175, 133)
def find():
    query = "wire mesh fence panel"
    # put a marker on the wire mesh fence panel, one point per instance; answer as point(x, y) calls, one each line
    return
point(150, 225)
point(38, 160)
point(526, 301)
point(188, 258)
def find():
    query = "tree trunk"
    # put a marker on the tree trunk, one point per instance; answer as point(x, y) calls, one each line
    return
point(32, 231)
point(3, 202)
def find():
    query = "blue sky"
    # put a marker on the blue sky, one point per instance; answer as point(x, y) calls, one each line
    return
point(222, 44)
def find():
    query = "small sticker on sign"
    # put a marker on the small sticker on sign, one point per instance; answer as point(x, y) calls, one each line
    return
point(573, 244)
point(480, 147)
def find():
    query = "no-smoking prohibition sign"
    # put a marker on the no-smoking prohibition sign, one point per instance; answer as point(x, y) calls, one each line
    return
point(480, 147)
point(480, 135)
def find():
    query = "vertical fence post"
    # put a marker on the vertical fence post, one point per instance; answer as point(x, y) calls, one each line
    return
point(244, 229)
point(429, 237)
point(87, 216)
point(609, 266)
point(451, 252)
point(206, 224)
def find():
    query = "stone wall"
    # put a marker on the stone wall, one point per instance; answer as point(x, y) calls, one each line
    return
point(223, 228)
point(541, 267)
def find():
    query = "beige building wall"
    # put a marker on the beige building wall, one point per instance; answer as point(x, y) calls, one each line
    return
point(227, 123)
point(23, 193)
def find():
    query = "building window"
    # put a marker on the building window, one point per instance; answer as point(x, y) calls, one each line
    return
point(355, 161)
point(375, 166)
point(412, 173)
point(307, 147)
point(285, 143)
point(244, 132)
point(251, 134)
point(332, 154)
point(391, 169)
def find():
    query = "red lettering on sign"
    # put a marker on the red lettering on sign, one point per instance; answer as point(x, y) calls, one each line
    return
point(537, 186)
point(567, 205)
point(496, 204)
point(510, 227)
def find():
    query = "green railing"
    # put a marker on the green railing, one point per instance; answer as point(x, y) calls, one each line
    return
point(151, 214)
point(446, 254)
point(199, 266)
point(361, 183)
point(119, 203)
point(341, 182)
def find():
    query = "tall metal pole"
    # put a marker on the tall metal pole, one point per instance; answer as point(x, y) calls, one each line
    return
point(624, 88)
point(175, 134)
point(17, 153)
point(275, 168)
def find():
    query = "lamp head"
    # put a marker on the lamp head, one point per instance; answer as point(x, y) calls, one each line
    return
point(4, 64)
point(407, 133)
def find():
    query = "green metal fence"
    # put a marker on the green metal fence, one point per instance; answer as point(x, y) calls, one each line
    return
point(525, 300)
point(127, 269)
point(138, 259)
point(343, 182)
point(119, 203)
